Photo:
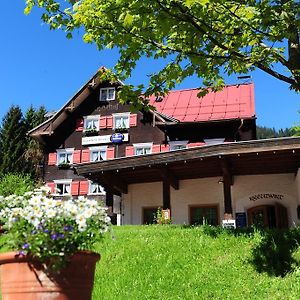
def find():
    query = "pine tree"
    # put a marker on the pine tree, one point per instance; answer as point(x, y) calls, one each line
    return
point(13, 142)
point(34, 152)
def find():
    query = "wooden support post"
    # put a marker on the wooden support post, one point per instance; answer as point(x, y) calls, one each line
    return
point(109, 199)
point(166, 195)
point(227, 195)
point(227, 183)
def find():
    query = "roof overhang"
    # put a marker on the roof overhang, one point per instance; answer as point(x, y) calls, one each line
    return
point(272, 156)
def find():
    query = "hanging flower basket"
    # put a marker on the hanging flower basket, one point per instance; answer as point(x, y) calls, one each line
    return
point(25, 278)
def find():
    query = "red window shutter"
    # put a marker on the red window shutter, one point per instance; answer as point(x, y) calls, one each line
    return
point(110, 153)
point(109, 122)
point(85, 156)
point(77, 157)
point(164, 148)
point(133, 120)
point(129, 151)
point(197, 144)
point(75, 188)
point(79, 124)
point(51, 185)
point(84, 187)
point(52, 159)
point(103, 122)
point(155, 148)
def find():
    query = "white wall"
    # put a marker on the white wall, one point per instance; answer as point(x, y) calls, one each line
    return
point(209, 191)
point(280, 184)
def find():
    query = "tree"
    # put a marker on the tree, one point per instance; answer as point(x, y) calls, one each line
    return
point(34, 151)
point(263, 132)
point(13, 142)
point(206, 38)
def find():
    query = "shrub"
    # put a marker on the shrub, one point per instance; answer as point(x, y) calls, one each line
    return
point(17, 184)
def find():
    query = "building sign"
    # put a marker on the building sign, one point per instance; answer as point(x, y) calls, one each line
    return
point(117, 138)
point(265, 196)
point(240, 219)
point(229, 224)
point(100, 139)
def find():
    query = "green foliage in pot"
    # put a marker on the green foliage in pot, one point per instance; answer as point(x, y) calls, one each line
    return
point(51, 230)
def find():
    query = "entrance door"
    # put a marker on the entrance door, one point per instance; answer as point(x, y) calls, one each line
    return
point(268, 216)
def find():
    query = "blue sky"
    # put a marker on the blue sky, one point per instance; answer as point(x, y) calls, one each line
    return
point(39, 66)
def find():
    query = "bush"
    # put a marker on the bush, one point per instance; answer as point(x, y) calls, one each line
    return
point(17, 184)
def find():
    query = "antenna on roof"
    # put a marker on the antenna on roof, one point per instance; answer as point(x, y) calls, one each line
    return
point(245, 79)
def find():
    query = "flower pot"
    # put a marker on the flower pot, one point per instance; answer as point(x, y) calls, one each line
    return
point(24, 278)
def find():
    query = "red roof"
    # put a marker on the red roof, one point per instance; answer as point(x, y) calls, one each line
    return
point(233, 102)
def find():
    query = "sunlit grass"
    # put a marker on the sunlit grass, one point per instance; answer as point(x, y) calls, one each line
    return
point(174, 262)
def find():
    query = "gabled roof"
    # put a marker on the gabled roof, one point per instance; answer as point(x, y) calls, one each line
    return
point(233, 102)
point(58, 117)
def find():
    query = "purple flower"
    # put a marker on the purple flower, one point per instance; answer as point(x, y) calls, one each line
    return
point(61, 235)
point(21, 253)
point(40, 226)
point(46, 230)
point(25, 246)
point(33, 232)
point(54, 236)
point(68, 228)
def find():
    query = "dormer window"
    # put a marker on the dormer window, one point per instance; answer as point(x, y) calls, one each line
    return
point(177, 145)
point(91, 123)
point(107, 94)
point(121, 120)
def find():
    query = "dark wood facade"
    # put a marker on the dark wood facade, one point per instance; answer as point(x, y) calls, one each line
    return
point(66, 130)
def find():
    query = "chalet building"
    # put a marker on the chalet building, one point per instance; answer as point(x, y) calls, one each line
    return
point(197, 158)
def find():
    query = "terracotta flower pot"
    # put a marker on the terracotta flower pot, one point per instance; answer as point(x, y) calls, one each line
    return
point(24, 279)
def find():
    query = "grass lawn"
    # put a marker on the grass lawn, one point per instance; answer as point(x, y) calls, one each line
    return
point(176, 262)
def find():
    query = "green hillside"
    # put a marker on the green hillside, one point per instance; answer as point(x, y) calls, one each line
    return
point(175, 262)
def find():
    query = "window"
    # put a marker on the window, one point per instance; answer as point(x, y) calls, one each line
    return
point(200, 215)
point(177, 145)
point(97, 154)
point(65, 156)
point(107, 94)
point(121, 121)
point(142, 149)
point(96, 189)
point(149, 214)
point(62, 187)
point(91, 123)
point(214, 141)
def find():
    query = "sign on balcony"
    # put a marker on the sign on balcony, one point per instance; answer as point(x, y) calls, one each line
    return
point(100, 139)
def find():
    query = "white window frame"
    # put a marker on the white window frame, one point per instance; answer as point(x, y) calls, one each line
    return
point(142, 146)
point(174, 144)
point(88, 118)
point(64, 151)
point(101, 188)
point(118, 115)
point(63, 182)
point(107, 94)
point(94, 149)
point(214, 141)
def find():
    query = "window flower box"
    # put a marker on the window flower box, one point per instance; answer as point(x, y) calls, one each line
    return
point(64, 166)
point(91, 132)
